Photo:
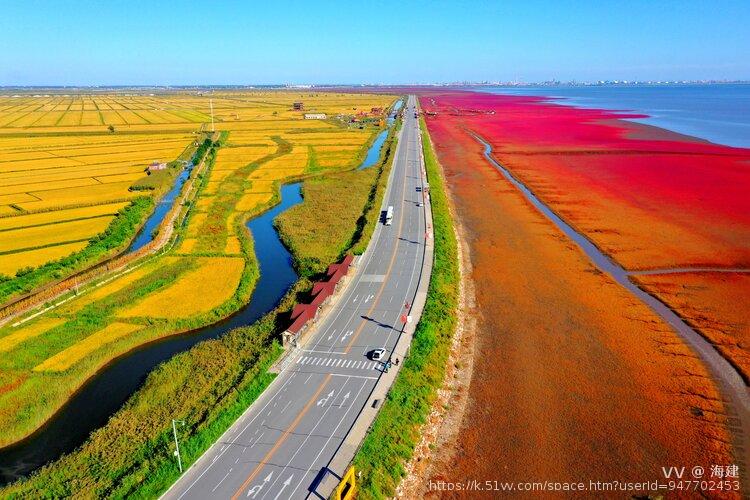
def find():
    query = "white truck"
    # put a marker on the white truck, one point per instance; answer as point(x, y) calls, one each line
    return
point(389, 216)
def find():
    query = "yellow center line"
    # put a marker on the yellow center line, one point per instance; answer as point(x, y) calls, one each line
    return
point(281, 439)
point(390, 265)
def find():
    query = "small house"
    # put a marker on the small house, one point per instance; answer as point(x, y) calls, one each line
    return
point(157, 165)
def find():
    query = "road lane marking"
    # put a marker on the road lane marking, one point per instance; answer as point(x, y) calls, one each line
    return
point(256, 489)
point(257, 440)
point(200, 476)
point(222, 479)
point(341, 420)
point(352, 376)
point(387, 273)
point(345, 336)
point(312, 431)
point(281, 439)
point(283, 487)
point(387, 240)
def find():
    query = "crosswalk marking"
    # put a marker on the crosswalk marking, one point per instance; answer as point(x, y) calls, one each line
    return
point(338, 363)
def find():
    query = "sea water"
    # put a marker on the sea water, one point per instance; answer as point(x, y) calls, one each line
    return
point(719, 113)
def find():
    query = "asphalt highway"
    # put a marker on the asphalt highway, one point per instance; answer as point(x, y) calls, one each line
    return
point(280, 447)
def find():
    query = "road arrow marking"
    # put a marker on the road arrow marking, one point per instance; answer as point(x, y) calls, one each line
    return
point(283, 487)
point(324, 400)
point(343, 401)
point(256, 489)
point(346, 335)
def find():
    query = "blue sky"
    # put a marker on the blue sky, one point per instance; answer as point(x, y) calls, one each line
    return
point(243, 42)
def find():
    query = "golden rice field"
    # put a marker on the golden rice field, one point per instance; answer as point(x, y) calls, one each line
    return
point(63, 175)
point(75, 353)
point(17, 240)
point(33, 258)
point(105, 288)
point(25, 333)
point(209, 285)
point(47, 181)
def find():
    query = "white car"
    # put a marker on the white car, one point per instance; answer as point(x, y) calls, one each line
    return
point(377, 354)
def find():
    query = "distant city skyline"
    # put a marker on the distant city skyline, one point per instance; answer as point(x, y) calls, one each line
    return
point(181, 43)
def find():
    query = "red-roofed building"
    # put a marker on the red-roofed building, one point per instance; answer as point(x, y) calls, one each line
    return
point(344, 265)
point(304, 314)
point(299, 310)
point(324, 285)
point(323, 294)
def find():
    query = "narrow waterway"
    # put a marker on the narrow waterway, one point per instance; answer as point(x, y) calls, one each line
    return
point(146, 234)
point(689, 270)
point(728, 378)
point(373, 154)
point(108, 390)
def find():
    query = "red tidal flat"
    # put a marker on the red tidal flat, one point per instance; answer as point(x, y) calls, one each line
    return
point(646, 196)
point(572, 377)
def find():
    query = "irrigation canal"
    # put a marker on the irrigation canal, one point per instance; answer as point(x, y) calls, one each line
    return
point(107, 391)
point(146, 234)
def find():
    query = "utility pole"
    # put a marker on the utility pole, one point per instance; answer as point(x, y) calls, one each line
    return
point(176, 443)
point(211, 104)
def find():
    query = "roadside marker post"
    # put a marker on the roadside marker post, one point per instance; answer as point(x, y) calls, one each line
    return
point(176, 443)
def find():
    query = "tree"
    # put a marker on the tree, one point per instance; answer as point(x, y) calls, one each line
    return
point(111, 128)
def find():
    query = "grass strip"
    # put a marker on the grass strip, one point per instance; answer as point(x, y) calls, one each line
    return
point(208, 387)
point(395, 431)
point(339, 213)
point(371, 214)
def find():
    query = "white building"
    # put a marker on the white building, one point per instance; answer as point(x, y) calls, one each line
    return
point(315, 116)
point(157, 165)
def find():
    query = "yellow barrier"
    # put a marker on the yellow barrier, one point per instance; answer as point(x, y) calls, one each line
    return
point(345, 489)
